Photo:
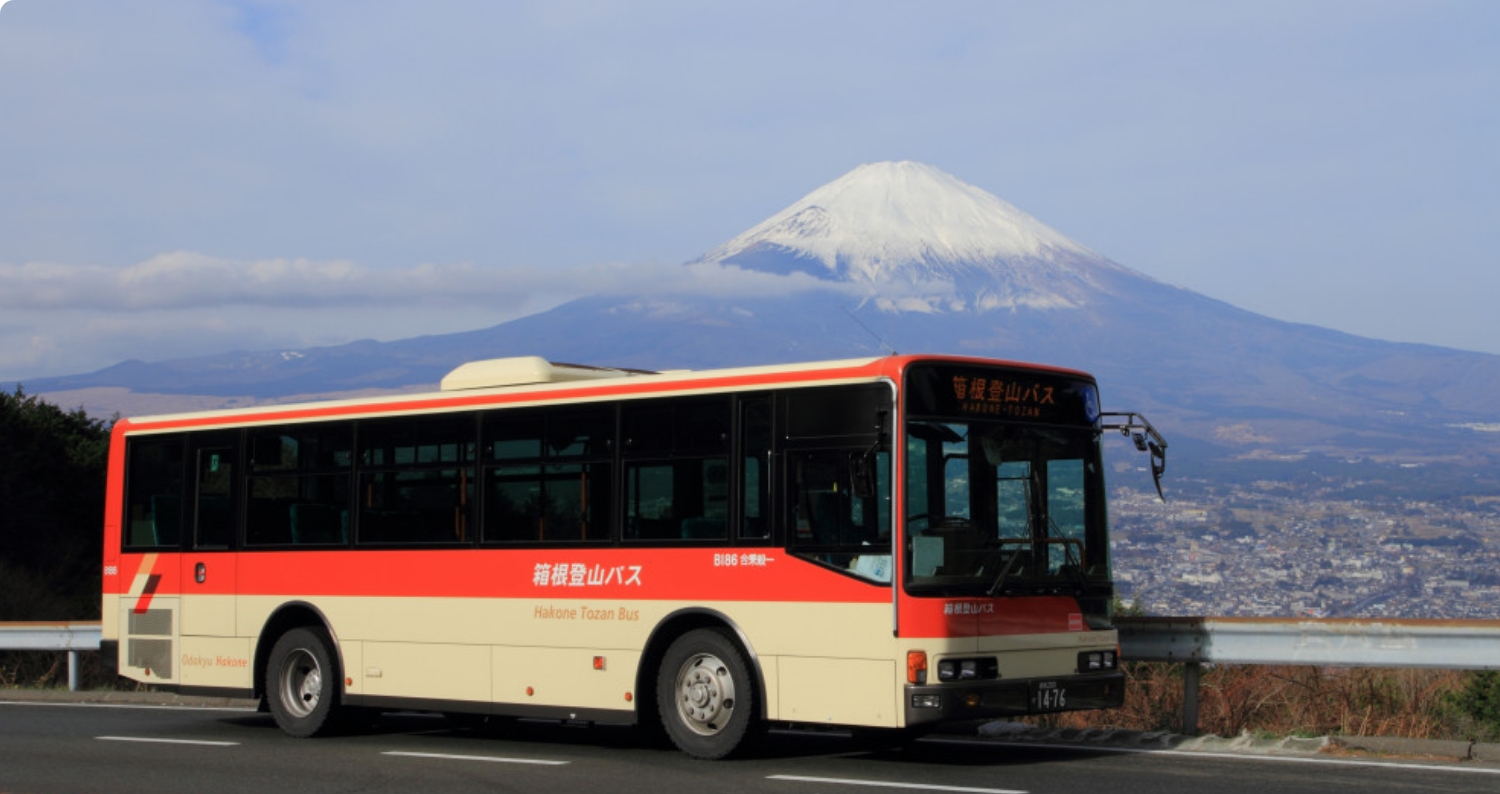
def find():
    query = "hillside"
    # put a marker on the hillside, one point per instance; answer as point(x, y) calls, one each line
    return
point(903, 256)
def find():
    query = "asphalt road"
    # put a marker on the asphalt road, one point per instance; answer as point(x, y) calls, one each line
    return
point(47, 748)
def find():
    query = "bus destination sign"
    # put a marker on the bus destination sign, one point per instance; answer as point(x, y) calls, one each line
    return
point(988, 392)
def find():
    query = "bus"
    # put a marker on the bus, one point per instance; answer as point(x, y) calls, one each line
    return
point(884, 545)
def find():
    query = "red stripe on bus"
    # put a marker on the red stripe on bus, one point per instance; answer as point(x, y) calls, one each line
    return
point(649, 574)
point(143, 603)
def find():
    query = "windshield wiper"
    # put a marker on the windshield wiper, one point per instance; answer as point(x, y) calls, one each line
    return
point(1010, 564)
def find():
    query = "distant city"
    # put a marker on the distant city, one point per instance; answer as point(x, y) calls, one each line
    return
point(1338, 546)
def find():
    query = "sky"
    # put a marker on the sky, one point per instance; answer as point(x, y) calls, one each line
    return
point(191, 178)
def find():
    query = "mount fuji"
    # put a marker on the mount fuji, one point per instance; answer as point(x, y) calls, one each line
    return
point(902, 256)
point(918, 239)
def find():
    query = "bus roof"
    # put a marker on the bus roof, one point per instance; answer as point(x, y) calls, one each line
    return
point(504, 381)
point(534, 379)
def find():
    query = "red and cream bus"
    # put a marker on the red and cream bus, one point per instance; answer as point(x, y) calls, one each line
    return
point(887, 543)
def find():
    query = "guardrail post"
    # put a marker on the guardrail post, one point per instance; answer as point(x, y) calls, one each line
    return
point(72, 671)
point(1190, 676)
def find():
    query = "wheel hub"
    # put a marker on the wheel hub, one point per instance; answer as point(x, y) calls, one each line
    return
point(301, 683)
point(706, 694)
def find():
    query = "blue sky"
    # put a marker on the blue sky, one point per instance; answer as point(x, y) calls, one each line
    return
point(184, 178)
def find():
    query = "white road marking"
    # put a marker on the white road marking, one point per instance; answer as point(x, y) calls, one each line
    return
point(165, 741)
point(488, 758)
point(145, 706)
point(888, 784)
point(1286, 759)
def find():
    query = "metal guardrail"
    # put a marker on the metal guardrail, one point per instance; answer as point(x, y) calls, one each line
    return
point(1190, 641)
point(73, 637)
point(1446, 644)
point(1319, 642)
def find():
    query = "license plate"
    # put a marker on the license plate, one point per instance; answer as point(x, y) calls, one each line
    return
point(1049, 696)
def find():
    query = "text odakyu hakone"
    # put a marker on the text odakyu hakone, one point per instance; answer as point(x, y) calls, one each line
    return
point(197, 660)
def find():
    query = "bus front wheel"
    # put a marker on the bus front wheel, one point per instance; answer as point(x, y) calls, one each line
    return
point(302, 682)
point(705, 694)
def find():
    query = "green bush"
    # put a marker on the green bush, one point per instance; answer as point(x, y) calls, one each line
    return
point(52, 467)
point(1476, 703)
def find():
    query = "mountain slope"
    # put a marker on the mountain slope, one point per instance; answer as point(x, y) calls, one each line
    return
point(906, 257)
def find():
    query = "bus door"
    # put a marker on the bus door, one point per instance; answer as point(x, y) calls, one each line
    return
point(210, 655)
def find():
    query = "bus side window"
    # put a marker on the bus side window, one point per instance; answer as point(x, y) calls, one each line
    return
point(548, 475)
point(154, 503)
point(834, 523)
point(416, 480)
point(300, 485)
point(677, 484)
point(755, 472)
point(214, 513)
point(826, 510)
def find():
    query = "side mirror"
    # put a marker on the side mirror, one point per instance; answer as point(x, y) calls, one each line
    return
point(1145, 438)
point(1158, 467)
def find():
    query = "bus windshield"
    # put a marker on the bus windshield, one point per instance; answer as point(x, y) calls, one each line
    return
point(998, 508)
point(1004, 486)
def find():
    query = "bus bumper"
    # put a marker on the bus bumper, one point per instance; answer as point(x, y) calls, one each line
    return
point(968, 700)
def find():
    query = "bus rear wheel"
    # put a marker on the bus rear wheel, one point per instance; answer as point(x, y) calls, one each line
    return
point(302, 683)
point(705, 694)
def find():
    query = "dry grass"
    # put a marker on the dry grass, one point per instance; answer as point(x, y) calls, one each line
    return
point(1285, 701)
point(49, 669)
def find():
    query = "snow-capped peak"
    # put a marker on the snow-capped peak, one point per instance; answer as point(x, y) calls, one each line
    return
point(905, 223)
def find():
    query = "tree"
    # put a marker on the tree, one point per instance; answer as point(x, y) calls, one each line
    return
point(52, 470)
point(1478, 703)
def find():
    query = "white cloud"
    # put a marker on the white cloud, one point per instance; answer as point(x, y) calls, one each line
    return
point(65, 319)
point(185, 280)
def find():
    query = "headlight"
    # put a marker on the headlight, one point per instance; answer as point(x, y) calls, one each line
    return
point(926, 701)
point(984, 668)
point(1097, 661)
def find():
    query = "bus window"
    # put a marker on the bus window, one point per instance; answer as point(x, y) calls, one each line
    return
point(548, 475)
point(298, 489)
point(755, 472)
point(415, 487)
point(420, 506)
point(833, 522)
point(677, 470)
point(214, 514)
point(153, 504)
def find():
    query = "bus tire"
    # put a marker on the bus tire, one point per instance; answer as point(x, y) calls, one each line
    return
point(302, 683)
point(705, 694)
